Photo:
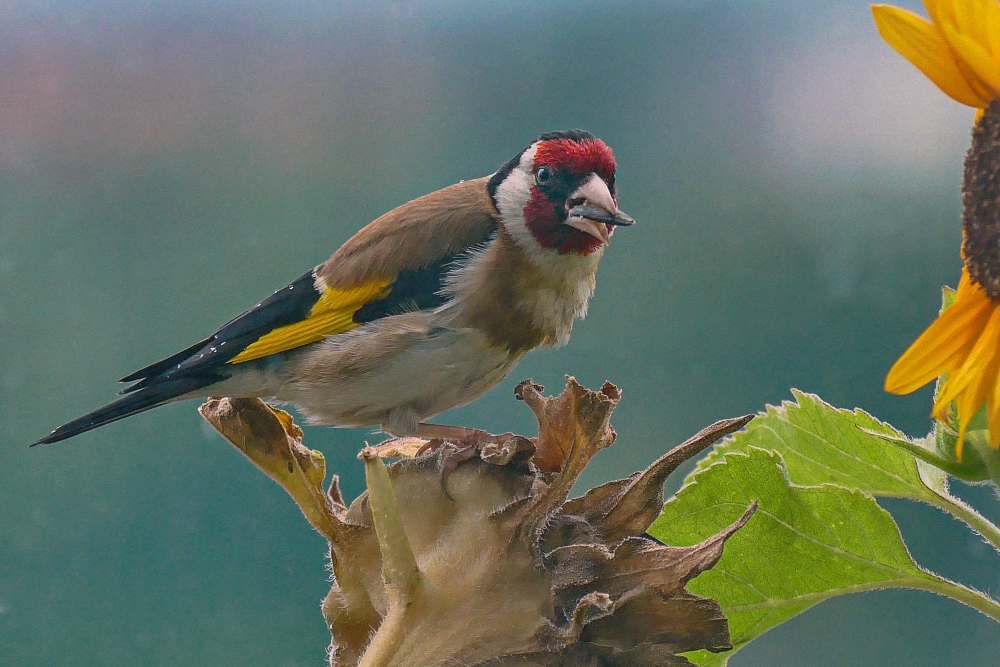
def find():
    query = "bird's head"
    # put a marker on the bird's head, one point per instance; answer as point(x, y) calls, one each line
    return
point(558, 195)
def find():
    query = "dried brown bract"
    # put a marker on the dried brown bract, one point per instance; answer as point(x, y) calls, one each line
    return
point(507, 571)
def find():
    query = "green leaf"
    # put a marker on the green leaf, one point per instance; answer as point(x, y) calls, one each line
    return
point(821, 444)
point(804, 545)
point(824, 445)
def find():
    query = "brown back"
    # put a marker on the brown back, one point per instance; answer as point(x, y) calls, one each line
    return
point(415, 235)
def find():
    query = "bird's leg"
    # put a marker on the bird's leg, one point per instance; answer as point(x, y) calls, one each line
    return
point(468, 441)
point(459, 434)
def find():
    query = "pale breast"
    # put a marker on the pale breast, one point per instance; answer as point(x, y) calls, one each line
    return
point(406, 367)
point(522, 302)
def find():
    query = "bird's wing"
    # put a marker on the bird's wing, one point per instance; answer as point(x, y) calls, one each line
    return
point(332, 313)
point(396, 263)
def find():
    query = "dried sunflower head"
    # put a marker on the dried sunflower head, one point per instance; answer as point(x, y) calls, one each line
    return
point(506, 571)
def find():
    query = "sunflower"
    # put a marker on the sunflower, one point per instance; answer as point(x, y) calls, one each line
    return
point(959, 50)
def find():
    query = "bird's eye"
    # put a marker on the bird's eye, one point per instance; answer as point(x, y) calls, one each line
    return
point(543, 175)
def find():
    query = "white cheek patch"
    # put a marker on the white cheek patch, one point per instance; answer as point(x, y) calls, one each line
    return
point(512, 196)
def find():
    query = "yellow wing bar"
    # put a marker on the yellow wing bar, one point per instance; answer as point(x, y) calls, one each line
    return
point(332, 314)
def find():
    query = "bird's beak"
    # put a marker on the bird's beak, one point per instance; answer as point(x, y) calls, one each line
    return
point(592, 209)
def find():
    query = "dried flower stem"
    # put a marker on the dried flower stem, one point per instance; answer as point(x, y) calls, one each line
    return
point(399, 567)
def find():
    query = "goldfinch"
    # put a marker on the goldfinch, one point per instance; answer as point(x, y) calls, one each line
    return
point(423, 310)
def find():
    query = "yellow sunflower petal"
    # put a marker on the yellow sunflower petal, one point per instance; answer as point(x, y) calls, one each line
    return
point(944, 346)
point(971, 400)
point(960, 442)
point(993, 415)
point(925, 46)
point(977, 19)
point(982, 69)
point(972, 29)
point(940, 410)
point(970, 385)
point(977, 379)
point(991, 25)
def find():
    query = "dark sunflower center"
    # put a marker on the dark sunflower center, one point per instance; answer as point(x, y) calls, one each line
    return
point(981, 202)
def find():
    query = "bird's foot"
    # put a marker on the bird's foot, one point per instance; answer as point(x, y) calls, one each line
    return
point(451, 461)
point(466, 444)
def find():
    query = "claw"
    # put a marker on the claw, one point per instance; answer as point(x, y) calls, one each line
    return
point(452, 461)
point(432, 446)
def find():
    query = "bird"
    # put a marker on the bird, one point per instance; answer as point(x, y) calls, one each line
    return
point(422, 310)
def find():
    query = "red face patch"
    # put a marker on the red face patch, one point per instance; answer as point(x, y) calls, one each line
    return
point(543, 220)
point(570, 160)
point(577, 157)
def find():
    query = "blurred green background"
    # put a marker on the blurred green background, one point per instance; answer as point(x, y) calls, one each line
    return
point(164, 165)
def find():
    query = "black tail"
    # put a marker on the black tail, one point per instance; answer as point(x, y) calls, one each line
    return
point(146, 398)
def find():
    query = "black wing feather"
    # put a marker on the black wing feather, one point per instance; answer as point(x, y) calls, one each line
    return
point(151, 397)
point(286, 306)
point(414, 289)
